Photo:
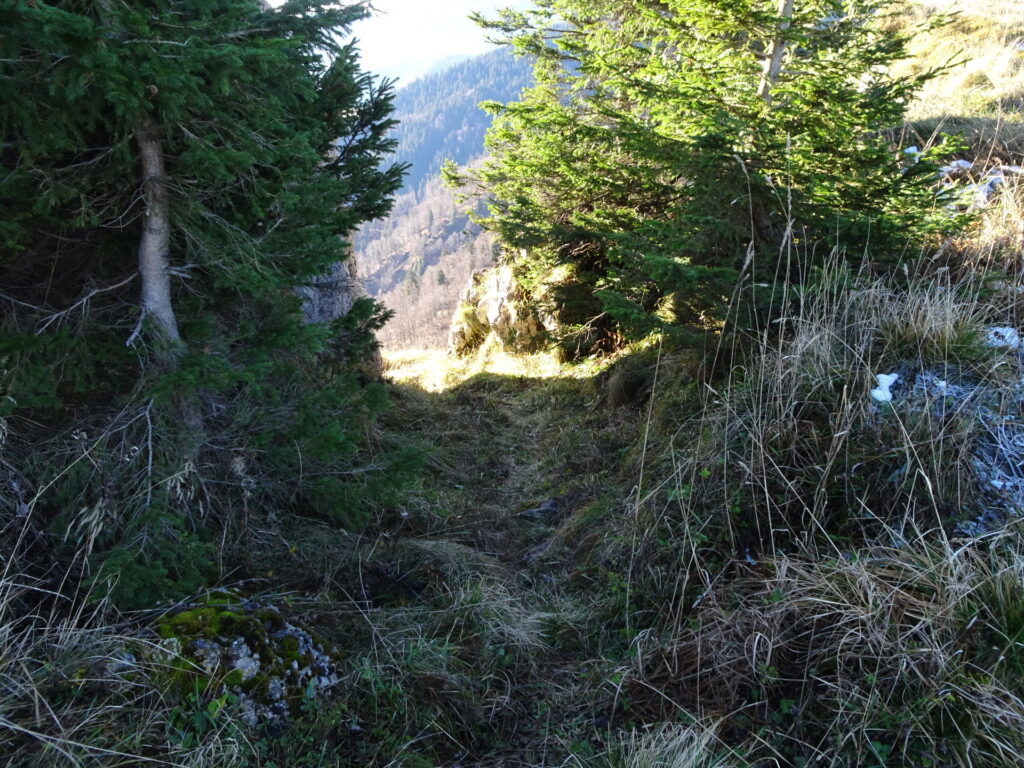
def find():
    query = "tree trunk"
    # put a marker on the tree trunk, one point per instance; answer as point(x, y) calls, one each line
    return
point(154, 269)
point(154, 245)
point(773, 64)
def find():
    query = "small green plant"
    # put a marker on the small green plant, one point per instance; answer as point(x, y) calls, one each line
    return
point(196, 717)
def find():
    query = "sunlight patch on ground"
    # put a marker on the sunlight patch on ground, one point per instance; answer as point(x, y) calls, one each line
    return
point(434, 370)
point(985, 41)
point(427, 368)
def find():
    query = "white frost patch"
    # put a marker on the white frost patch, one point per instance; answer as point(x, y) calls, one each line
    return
point(883, 392)
point(997, 452)
point(1002, 336)
point(957, 166)
point(994, 179)
point(982, 189)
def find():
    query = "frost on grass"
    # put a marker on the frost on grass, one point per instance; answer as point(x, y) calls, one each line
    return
point(982, 186)
point(1002, 337)
point(997, 456)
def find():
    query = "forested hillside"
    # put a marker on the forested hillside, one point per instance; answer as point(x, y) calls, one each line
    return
point(418, 259)
point(439, 117)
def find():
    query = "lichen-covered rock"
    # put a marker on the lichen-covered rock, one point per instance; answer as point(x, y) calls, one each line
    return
point(506, 310)
point(252, 652)
point(494, 302)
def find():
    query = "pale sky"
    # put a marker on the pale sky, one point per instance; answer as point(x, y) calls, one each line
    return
point(406, 38)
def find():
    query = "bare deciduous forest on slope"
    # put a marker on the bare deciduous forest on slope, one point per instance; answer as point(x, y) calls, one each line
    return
point(417, 260)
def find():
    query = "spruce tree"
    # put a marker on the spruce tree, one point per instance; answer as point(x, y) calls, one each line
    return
point(170, 172)
point(669, 146)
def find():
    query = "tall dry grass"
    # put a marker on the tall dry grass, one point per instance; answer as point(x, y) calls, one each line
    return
point(908, 656)
point(802, 571)
point(81, 687)
point(791, 446)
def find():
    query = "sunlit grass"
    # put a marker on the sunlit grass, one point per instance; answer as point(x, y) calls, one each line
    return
point(434, 370)
point(983, 39)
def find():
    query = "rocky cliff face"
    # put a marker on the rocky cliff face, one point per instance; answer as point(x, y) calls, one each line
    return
point(494, 302)
point(331, 296)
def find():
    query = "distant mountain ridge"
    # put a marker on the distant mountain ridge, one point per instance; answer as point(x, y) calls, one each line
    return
point(419, 71)
point(417, 259)
point(439, 113)
point(409, 72)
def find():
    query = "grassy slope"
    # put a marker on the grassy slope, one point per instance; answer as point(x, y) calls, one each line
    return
point(982, 92)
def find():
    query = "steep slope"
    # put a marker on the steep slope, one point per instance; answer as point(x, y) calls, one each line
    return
point(440, 117)
point(417, 259)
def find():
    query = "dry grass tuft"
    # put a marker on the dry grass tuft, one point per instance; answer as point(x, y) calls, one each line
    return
point(906, 651)
point(667, 746)
point(77, 690)
point(791, 446)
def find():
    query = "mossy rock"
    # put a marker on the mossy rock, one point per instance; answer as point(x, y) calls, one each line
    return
point(231, 644)
point(467, 330)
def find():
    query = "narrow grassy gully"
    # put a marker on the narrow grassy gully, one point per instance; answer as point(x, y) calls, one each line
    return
point(526, 465)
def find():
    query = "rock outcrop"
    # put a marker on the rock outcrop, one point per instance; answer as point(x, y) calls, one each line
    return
point(494, 302)
point(248, 649)
point(330, 296)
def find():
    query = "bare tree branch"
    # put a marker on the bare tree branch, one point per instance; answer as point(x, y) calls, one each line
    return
point(57, 316)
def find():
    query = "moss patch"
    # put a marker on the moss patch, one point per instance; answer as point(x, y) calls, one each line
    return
point(231, 644)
